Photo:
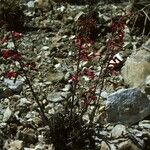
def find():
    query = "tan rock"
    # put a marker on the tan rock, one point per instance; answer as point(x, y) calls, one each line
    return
point(127, 145)
point(44, 4)
point(16, 145)
point(137, 68)
point(55, 77)
point(104, 146)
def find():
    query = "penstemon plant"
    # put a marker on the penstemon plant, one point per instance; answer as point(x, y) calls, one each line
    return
point(68, 129)
point(15, 60)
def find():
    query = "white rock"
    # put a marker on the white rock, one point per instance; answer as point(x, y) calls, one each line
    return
point(3, 125)
point(57, 66)
point(67, 76)
point(24, 101)
point(29, 14)
point(26, 148)
point(104, 94)
point(66, 88)
point(72, 37)
point(118, 131)
point(7, 114)
point(40, 146)
point(78, 16)
point(62, 8)
point(58, 96)
point(30, 4)
point(145, 124)
point(41, 138)
point(10, 45)
point(17, 85)
point(45, 48)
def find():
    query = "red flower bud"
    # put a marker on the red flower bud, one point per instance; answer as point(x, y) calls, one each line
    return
point(89, 73)
point(11, 74)
point(74, 78)
point(7, 53)
point(16, 56)
point(17, 35)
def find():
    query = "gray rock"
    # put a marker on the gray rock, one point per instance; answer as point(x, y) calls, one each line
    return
point(30, 4)
point(127, 106)
point(66, 88)
point(147, 45)
point(58, 96)
point(24, 102)
point(14, 85)
point(118, 131)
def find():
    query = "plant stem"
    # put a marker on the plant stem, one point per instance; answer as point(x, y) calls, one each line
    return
point(75, 84)
point(41, 109)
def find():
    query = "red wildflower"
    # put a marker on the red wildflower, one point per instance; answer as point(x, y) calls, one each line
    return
point(121, 35)
point(74, 78)
point(17, 35)
point(31, 65)
point(84, 56)
point(90, 98)
point(110, 44)
point(11, 74)
point(16, 56)
point(117, 26)
point(80, 41)
point(11, 53)
point(7, 53)
point(89, 73)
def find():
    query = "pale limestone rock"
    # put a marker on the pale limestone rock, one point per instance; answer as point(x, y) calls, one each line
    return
point(118, 131)
point(7, 114)
point(137, 68)
point(16, 145)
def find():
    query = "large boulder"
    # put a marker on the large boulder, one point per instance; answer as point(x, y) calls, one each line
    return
point(127, 106)
point(137, 69)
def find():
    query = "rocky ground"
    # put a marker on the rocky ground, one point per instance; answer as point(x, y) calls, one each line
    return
point(48, 40)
